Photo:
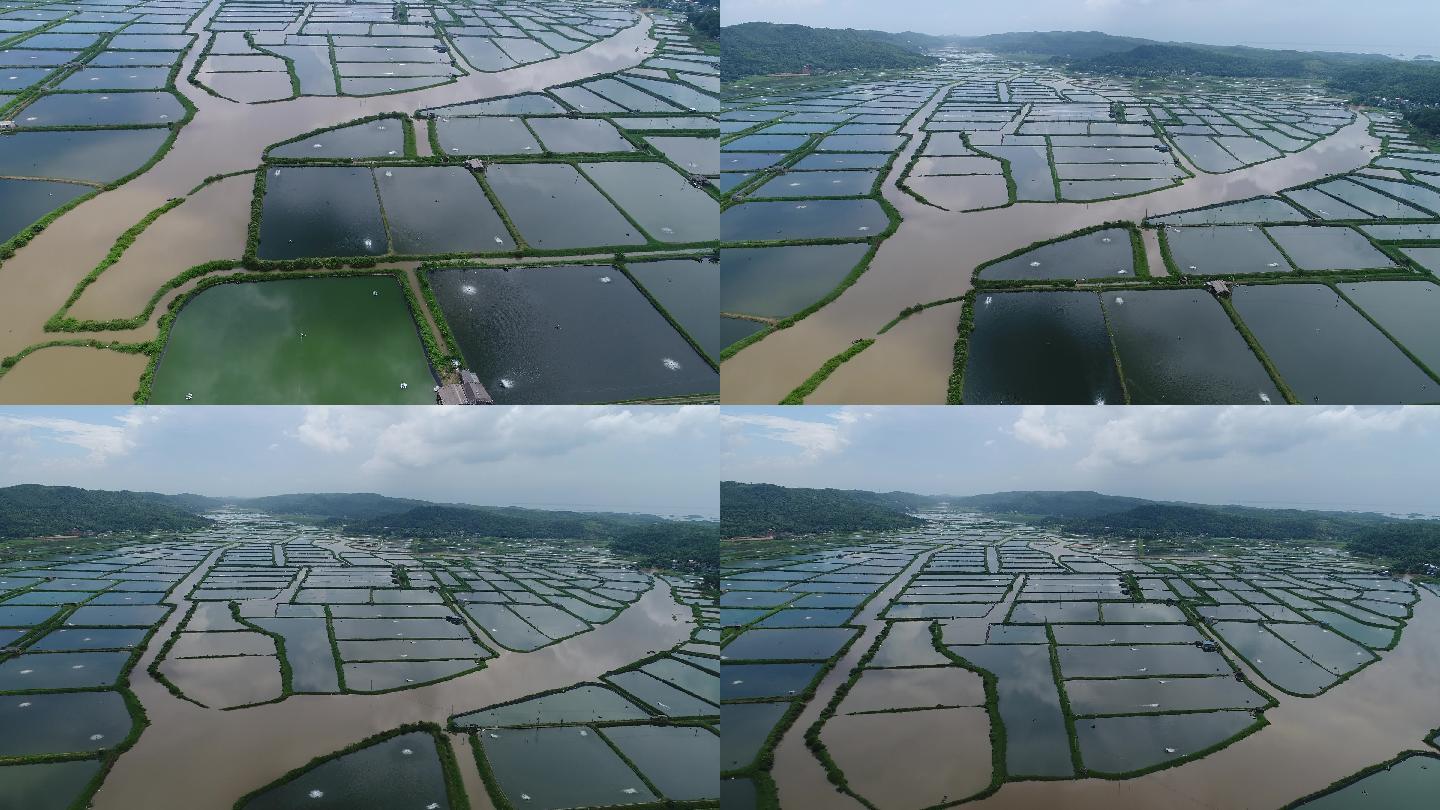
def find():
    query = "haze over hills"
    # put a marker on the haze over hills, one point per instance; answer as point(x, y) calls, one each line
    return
point(30, 510)
point(764, 509)
point(761, 48)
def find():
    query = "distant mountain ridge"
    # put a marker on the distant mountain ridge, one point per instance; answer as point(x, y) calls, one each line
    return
point(759, 48)
point(754, 510)
point(764, 48)
point(33, 510)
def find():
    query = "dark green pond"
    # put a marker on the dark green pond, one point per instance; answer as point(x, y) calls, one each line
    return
point(118, 78)
point(507, 629)
point(378, 676)
point(661, 696)
point(739, 681)
point(67, 639)
point(524, 763)
point(1103, 254)
point(1409, 784)
point(47, 786)
point(579, 135)
point(437, 209)
point(320, 211)
point(689, 290)
point(1224, 250)
point(1036, 743)
point(485, 136)
point(403, 771)
point(745, 727)
point(818, 184)
point(1159, 695)
point(554, 207)
point(62, 723)
point(1326, 351)
point(659, 200)
point(1313, 248)
point(311, 340)
point(1179, 347)
point(1040, 347)
point(61, 670)
point(99, 109)
point(1408, 310)
point(1277, 661)
point(99, 156)
point(566, 335)
point(802, 220)
point(307, 650)
point(1122, 744)
point(582, 704)
point(678, 761)
point(383, 138)
point(779, 281)
point(787, 645)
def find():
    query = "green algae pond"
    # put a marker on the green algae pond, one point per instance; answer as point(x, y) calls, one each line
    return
point(313, 340)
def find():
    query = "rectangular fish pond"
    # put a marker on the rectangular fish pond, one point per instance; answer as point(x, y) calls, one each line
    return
point(571, 334)
point(310, 340)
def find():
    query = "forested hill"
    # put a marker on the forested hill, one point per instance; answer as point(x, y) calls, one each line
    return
point(755, 510)
point(432, 520)
point(691, 547)
point(31, 510)
point(1366, 78)
point(1407, 545)
point(343, 505)
point(758, 48)
point(1049, 504)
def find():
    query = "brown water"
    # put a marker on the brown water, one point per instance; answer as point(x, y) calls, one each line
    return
point(1386, 708)
point(932, 257)
point(209, 225)
point(799, 778)
point(909, 760)
point(192, 758)
point(223, 137)
point(73, 375)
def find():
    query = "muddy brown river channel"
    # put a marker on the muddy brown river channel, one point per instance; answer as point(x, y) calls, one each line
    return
point(932, 255)
point(194, 758)
point(223, 137)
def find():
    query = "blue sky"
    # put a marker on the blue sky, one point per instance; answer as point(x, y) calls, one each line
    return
point(1354, 458)
point(1395, 27)
point(661, 460)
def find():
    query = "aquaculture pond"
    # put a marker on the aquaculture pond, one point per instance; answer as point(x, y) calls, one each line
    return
point(315, 340)
point(1179, 347)
point(1223, 250)
point(688, 289)
point(1040, 347)
point(1103, 254)
point(554, 207)
point(802, 220)
point(1326, 351)
point(1407, 784)
point(22, 202)
point(402, 771)
point(566, 334)
point(777, 282)
point(1407, 310)
point(92, 156)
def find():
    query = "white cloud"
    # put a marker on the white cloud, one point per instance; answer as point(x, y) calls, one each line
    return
point(815, 439)
point(101, 441)
point(1148, 435)
point(1041, 427)
point(397, 439)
